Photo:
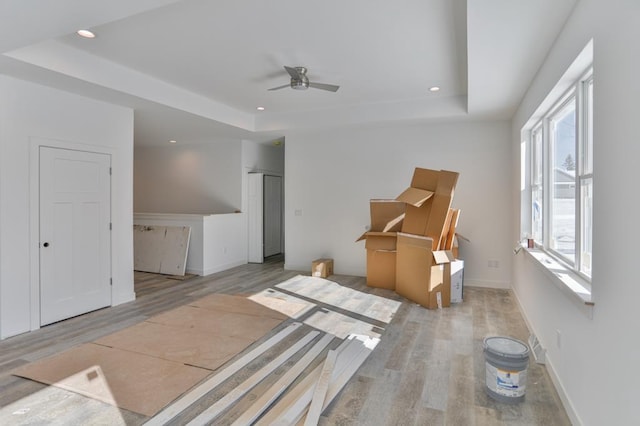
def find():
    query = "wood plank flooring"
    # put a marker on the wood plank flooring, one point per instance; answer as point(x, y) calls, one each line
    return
point(428, 368)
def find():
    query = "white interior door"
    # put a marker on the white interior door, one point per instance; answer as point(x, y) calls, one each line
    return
point(272, 215)
point(75, 240)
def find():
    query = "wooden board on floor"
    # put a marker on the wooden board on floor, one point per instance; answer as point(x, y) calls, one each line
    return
point(136, 382)
point(226, 401)
point(171, 411)
point(161, 249)
point(339, 325)
point(320, 390)
point(274, 392)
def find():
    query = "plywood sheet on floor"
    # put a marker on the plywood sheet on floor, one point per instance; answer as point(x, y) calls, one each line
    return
point(187, 345)
point(331, 293)
point(133, 381)
point(238, 304)
point(216, 322)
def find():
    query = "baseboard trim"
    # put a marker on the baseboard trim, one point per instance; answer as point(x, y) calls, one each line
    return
point(555, 379)
point(470, 282)
point(217, 268)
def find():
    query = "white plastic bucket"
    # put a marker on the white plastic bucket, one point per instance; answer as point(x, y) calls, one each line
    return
point(506, 361)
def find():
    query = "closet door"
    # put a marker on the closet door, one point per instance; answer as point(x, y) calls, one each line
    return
point(272, 215)
point(75, 241)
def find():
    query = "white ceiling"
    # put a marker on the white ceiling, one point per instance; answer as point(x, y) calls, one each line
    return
point(197, 69)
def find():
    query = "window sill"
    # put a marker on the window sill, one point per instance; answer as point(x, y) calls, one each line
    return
point(571, 284)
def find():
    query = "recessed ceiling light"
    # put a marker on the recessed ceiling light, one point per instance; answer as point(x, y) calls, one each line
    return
point(434, 88)
point(85, 34)
point(260, 108)
point(172, 141)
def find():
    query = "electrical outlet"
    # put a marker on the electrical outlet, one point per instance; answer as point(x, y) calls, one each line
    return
point(492, 263)
point(559, 339)
point(298, 212)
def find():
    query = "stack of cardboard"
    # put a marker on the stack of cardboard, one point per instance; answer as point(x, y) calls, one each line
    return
point(410, 239)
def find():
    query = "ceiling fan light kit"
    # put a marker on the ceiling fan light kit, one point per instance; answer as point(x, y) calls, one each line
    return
point(300, 81)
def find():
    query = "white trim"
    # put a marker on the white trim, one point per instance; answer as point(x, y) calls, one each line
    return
point(470, 282)
point(321, 389)
point(569, 86)
point(555, 379)
point(569, 283)
point(270, 395)
point(212, 412)
point(217, 268)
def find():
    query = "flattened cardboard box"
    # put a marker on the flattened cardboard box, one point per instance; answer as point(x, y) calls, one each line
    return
point(422, 273)
point(381, 259)
point(322, 268)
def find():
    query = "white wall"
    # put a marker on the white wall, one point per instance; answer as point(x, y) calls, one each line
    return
point(596, 365)
point(216, 242)
point(186, 178)
point(28, 114)
point(332, 175)
point(265, 158)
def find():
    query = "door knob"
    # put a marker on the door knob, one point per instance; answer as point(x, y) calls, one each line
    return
point(45, 245)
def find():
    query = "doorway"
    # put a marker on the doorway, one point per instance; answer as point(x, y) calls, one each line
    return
point(74, 232)
point(265, 216)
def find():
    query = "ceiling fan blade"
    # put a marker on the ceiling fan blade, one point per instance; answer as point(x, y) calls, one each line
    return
point(293, 72)
point(323, 86)
point(280, 87)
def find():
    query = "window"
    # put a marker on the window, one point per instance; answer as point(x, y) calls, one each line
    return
point(536, 183)
point(561, 177)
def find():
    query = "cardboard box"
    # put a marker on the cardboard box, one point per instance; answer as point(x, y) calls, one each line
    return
point(386, 219)
point(322, 268)
point(428, 202)
point(386, 216)
point(381, 259)
point(457, 281)
point(421, 273)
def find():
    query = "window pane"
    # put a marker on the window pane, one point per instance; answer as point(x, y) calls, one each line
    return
point(586, 207)
point(536, 184)
point(587, 149)
point(536, 214)
point(536, 147)
point(563, 220)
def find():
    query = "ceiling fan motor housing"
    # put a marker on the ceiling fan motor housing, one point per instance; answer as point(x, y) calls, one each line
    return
point(302, 82)
point(299, 84)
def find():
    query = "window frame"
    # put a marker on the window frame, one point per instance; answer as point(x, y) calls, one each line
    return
point(582, 90)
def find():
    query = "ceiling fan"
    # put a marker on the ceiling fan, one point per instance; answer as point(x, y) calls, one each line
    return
point(300, 81)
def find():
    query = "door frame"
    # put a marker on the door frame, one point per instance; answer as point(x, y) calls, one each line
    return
point(34, 214)
point(264, 214)
point(245, 203)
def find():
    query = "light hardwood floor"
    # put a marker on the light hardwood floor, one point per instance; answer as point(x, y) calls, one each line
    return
point(427, 370)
